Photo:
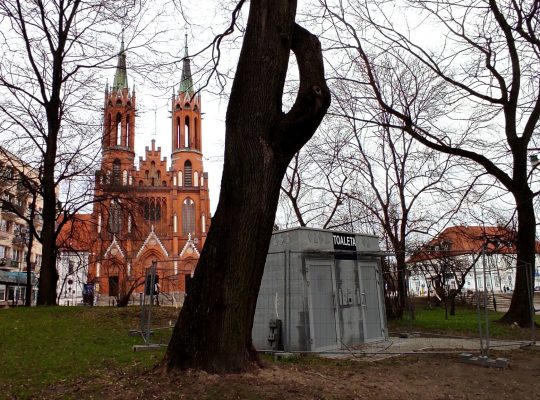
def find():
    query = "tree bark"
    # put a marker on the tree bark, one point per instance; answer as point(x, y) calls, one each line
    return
point(48, 276)
point(401, 267)
point(520, 306)
point(30, 244)
point(213, 331)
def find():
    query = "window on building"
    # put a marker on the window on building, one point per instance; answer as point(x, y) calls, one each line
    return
point(187, 133)
point(115, 215)
point(152, 210)
point(2, 251)
point(116, 172)
point(118, 129)
point(188, 217)
point(128, 129)
point(107, 137)
point(2, 292)
point(196, 135)
point(188, 174)
point(71, 267)
point(178, 136)
point(3, 225)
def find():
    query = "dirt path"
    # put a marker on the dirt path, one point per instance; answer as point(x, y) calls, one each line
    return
point(426, 376)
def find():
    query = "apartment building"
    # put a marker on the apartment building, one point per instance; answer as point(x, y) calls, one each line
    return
point(16, 201)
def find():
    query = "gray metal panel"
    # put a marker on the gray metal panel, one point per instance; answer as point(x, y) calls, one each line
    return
point(349, 302)
point(322, 311)
point(284, 293)
point(270, 302)
point(371, 302)
point(310, 239)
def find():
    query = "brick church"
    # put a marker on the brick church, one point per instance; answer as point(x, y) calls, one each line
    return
point(155, 212)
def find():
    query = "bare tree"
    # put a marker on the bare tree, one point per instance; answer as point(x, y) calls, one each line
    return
point(48, 82)
point(488, 60)
point(213, 331)
point(446, 274)
point(313, 190)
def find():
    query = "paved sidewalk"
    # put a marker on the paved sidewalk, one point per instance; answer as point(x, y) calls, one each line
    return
point(421, 345)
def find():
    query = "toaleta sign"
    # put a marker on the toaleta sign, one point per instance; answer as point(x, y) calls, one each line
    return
point(344, 242)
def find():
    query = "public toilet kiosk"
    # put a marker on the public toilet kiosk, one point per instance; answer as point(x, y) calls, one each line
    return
point(321, 291)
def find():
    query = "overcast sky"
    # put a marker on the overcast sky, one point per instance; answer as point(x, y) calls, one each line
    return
point(204, 21)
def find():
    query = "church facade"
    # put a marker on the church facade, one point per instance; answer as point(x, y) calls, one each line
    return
point(156, 212)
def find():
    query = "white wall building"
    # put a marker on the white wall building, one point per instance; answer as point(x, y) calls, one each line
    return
point(457, 249)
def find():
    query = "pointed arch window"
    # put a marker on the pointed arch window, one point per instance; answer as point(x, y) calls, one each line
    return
point(115, 217)
point(196, 134)
point(188, 217)
point(107, 140)
point(187, 133)
point(128, 130)
point(178, 135)
point(116, 175)
point(118, 129)
point(152, 209)
point(188, 174)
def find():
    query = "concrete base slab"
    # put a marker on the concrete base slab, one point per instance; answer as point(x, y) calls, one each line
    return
point(484, 361)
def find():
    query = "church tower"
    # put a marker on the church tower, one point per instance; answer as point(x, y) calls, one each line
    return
point(118, 141)
point(189, 179)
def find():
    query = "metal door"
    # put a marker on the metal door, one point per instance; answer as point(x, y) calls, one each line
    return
point(370, 284)
point(322, 307)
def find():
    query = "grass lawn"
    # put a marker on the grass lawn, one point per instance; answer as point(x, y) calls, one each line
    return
point(42, 346)
point(464, 323)
point(86, 353)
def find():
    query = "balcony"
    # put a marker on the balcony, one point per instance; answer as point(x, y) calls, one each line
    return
point(7, 264)
point(18, 241)
point(32, 266)
point(10, 210)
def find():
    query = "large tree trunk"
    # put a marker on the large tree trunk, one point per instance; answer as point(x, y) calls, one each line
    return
point(520, 306)
point(48, 276)
point(213, 331)
point(401, 266)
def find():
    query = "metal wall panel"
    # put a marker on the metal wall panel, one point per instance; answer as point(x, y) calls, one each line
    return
point(325, 300)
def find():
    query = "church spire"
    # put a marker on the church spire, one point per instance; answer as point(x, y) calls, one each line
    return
point(120, 76)
point(186, 83)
